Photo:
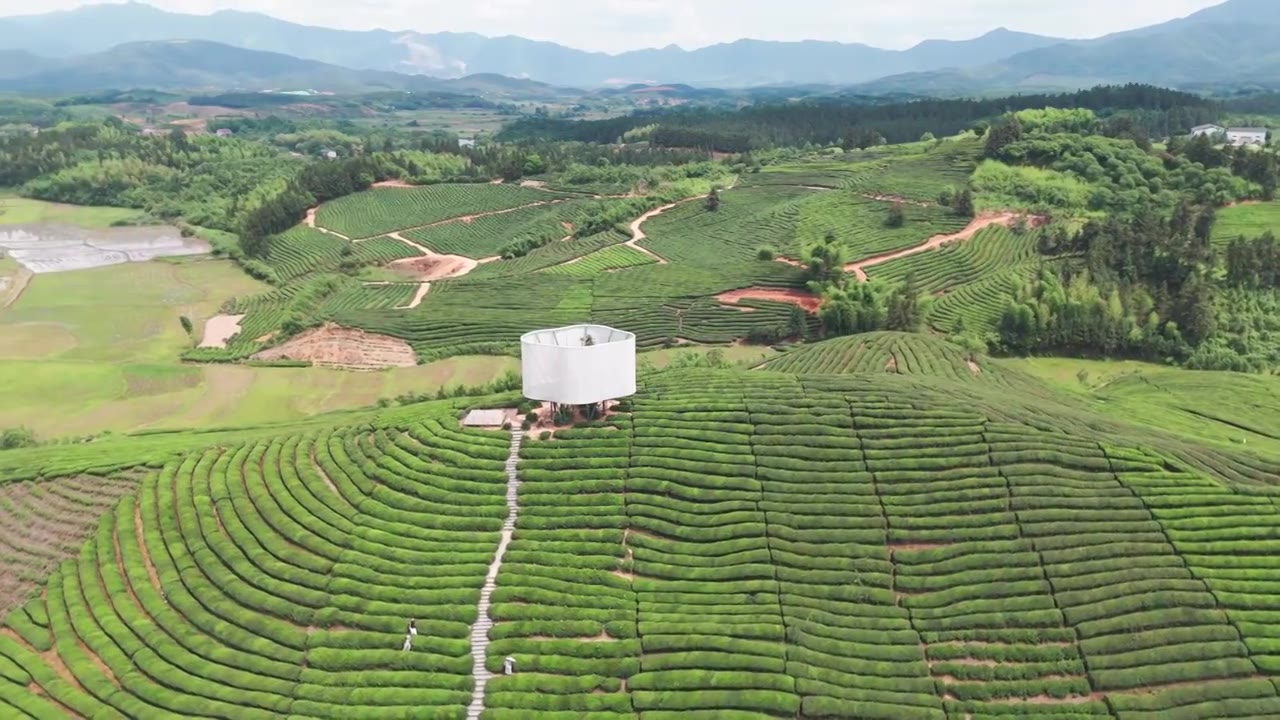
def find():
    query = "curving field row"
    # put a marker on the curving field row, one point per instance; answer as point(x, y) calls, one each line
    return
point(486, 236)
point(303, 251)
point(744, 545)
point(547, 256)
point(612, 258)
point(923, 175)
point(564, 608)
point(993, 250)
point(277, 578)
point(383, 210)
point(889, 352)
point(859, 223)
point(748, 219)
point(976, 306)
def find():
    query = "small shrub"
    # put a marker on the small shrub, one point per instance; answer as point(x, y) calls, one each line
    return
point(544, 435)
point(897, 217)
point(187, 327)
point(19, 437)
point(765, 253)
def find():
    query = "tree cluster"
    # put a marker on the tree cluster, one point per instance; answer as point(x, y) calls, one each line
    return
point(1253, 264)
point(857, 123)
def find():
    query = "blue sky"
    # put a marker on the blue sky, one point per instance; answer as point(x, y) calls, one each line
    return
point(617, 25)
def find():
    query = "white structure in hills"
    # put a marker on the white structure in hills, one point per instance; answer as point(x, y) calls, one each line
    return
point(1256, 136)
point(1207, 130)
point(1247, 136)
point(578, 364)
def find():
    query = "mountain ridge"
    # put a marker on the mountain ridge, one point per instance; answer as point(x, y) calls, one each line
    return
point(741, 63)
point(1226, 43)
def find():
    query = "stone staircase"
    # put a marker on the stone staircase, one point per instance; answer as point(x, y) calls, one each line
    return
point(480, 631)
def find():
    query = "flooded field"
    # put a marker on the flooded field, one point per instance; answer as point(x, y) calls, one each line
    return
point(60, 248)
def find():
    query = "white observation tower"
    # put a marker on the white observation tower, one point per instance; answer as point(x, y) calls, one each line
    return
point(578, 364)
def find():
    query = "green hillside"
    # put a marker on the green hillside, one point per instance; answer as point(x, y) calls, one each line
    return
point(734, 544)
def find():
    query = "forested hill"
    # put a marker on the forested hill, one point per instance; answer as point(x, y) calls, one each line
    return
point(1157, 111)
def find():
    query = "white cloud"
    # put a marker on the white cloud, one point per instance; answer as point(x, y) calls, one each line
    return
point(617, 25)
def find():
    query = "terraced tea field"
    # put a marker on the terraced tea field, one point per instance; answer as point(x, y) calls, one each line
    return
point(377, 212)
point(733, 545)
point(658, 274)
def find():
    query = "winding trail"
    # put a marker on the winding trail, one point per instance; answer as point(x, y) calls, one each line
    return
point(423, 289)
point(480, 631)
point(981, 222)
point(637, 231)
point(310, 221)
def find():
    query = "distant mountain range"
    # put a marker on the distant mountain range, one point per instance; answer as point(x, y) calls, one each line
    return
point(204, 65)
point(133, 44)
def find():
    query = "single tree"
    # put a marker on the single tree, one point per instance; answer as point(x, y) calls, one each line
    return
point(897, 216)
point(962, 203)
point(186, 324)
point(713, 200)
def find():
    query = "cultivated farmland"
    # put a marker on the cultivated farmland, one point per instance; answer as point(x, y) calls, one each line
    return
point(748, 544)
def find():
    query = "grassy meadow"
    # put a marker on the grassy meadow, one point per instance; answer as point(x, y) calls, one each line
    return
point(1228, 409)
point(24, 211)
point(1249, 220)
point(94, 350)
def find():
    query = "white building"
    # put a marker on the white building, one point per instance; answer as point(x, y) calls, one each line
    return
point(578, 364)
point(1209, 130)
point(1247, 136)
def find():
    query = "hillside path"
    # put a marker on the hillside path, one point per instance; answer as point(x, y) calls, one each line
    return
point(637, 231)
point(480, 631)
point(310, 222)
point(981, 222)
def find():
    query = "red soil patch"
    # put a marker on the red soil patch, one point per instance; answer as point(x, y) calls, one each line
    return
point(979, 223)
point(434, 267)
point(892, 365)
point(345, 348)
point(801, 298)
point(973, 367)
point(393, 184)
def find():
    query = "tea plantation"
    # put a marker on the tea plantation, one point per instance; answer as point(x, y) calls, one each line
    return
point(874, 527)
point(653, 260)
